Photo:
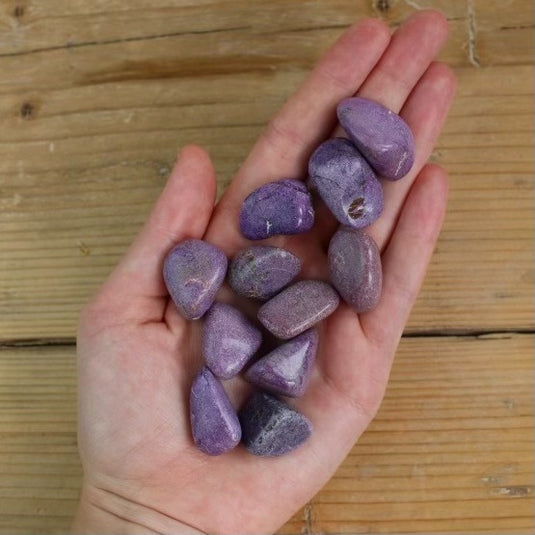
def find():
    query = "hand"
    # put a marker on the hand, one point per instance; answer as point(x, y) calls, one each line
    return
point(137, 356)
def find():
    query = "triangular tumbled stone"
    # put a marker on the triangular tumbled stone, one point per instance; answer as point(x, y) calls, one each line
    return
point(229, 340)
point(214, 422)
point(193, 272)
point(286, 370)
point(270, 428)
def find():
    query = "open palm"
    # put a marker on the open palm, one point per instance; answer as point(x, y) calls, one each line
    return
point(137, 356)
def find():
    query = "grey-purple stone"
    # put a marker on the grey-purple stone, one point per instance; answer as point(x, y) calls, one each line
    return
point(214, 422)
point(280, 207)
point(193, 272)
point(229, 340)
point(298, 307)
point(270, 428)
point(381, 135)
point(346, 183)
point(261, 271)
point(355, 268)
point(287, 369)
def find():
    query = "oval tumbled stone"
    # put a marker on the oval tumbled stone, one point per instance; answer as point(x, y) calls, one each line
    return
point(229, 340)
point(346, 183)
point(287, 369)
point(260, 271)
point(381, 135)
point(355, 268)
point(280, 207)
point(298, 307)
point(214, 423)
point(270, 428)
point(193, 272)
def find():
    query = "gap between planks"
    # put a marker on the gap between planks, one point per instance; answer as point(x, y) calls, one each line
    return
point(467, 333)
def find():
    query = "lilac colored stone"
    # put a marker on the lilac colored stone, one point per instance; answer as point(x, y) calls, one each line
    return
point(214, 422)
point(298, 307)
point(287, 369)
point(280, 207)
point(346, 183)
point(355, 268)
point(260, 271)
point(229, 340)
point(381, 135)
point(193, 272)
point(270, 428)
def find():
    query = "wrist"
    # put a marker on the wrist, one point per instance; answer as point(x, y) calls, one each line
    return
point(102, 511)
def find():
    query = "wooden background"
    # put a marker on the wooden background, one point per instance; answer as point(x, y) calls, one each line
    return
point(95, 98)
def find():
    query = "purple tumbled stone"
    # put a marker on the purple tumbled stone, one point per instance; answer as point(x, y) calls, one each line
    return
point(214, 422)
point(346, 183)
point(270, 428)
point(381, 135)
point(229, 340)
point(298, 307)
point(260, 271)
point(280, 207)
point(193, 272)
point(287, 369)
point(355, 268)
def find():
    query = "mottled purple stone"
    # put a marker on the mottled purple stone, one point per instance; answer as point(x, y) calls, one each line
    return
point(298, 307)
point(270, 428)
point(229, 340)
point(280, 207)
point(193, 272)
point(260, 271)
point(381, 135)
point(287, 369)
point(355, 268)
point(214, 422)
point(346, 183)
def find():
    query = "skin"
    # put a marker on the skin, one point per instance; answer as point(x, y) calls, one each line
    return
point(137, 356)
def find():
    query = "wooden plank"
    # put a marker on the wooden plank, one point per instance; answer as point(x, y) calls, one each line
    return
point(502, 31)
point(78, 178)
point(451, 449)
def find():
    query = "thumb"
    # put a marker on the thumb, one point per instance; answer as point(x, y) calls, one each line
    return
point(182, 211)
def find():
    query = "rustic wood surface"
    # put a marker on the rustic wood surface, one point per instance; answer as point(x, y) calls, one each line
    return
point(95, 99)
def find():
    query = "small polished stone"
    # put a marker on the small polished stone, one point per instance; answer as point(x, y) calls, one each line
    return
point(287, 369)
point(214, 423)
point(346, 183)
point(261, 271)
point(270, 428)
point(280, 207)
point(298, 307)
point(229, 340)
point(355, 268)
point(381, 135)
point(193, 272)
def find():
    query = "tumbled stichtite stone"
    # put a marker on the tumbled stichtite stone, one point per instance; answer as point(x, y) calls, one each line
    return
point(346, 183)
point(355, 268)
point(298, 307)
point(214, 422)
point(193, 272)
point(260, 271)
point(229, 340)
point(280, 207)
point(271, 428)
point(382, 136)
point(287, 369)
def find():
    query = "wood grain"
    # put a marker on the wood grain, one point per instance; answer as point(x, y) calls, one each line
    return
point(90, 132)
point(451, 449)
point(95, 99)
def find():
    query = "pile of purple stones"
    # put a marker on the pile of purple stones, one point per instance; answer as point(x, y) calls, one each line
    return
point(344, 173)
